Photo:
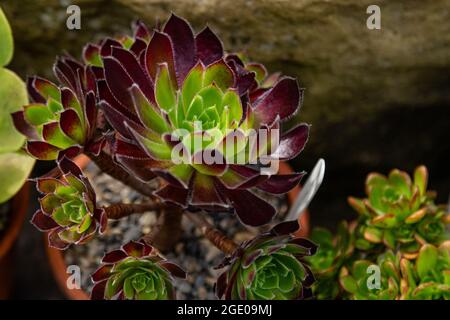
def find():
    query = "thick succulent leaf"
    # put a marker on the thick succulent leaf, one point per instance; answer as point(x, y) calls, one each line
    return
point(135, 71)
point(72, 126)
point(292, 143)
point(6, 40)
point(204, 192)
point(209, 46)
point(52, 133)
point(174, 270)
point(98, 291)
point(91, 55)
point(286, 227)
point(279, 184)
point(192, 84)
point(13, 96)
point(259, 69)
point(68, 166)
point(114, 256)
point(42, 150)
point(220, 74)
point(157, 150)
point(173, 195)
point(70, 101)
point(164, 91)
point(38, 114)
point(251, 209)
point(421, 179)
point(23, 126)
point(46, 89)
point(282, 100)
point(427, 259)
point(42, 221)
point(183, 43)
point(134, 249)
point(148, 113)
point(160, 50)
point(114, 70)
point(141, 31)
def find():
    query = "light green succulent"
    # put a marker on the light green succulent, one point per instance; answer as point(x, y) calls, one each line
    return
point(15, 166)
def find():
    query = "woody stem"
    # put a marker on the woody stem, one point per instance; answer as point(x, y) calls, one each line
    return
point(120, 210)
point(216, 237)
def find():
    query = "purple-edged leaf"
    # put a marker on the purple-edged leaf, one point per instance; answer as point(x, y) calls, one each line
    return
point(249, 258)
point(279, 184)
point(55, 241)
point(103, 221)
point(282, 100)
point(200, 162)
point(140, 168)
point(251, 209)
point(23, 126)
point(219, 73)
point(173, 195)
point(33, 93)
point(204, 192)
point(107, 45)
point(134, 70)
point(292, 143)
point(236, 176)
point(141, 31)
point(134, 249)
point(70, 152)
point(148, 113)
point(42, 150)
point(160, 50)
point(91, 54)
point(174, 269)
point(114, 256)
point(42, 221)
point(164, 91)
point(70, 101)
point(47, 185)
point(98, 291)
point(71, 125)
point(101, 273)
point(68, 166)
point(157, 150)
point(258, 69)
point(305, 243)
point(221, 285)
point(286, 227)
point(114, 71)
point(91, 112)
point(46, 89)
point(177, 175)
point(209, 46)
point(138, 47)
point(52, 133)
point(183, 43)
point(115, 118)
point(64, 73)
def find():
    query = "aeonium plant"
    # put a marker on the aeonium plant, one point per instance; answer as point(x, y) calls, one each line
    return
point(171, 105)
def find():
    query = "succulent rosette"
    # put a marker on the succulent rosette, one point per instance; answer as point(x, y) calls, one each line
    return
point(61, 119)
point(269, 267)
point(135, 272)
point(68, 210)
point(428, 277)
point(180, 100)
point(399, 212)
point(333, 253)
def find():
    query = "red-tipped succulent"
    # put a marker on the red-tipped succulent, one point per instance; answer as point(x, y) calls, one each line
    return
point(269, 267)
point(180, 89)
point(61, 119)
point(68, 210)
point(135, 272)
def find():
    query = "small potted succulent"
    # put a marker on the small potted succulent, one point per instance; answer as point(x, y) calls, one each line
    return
point(169, 105)
point(15, 165)
point(400, 231)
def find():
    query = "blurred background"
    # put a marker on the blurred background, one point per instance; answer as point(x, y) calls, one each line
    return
point(376, 99)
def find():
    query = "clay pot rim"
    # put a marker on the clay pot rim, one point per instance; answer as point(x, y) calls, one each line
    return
point(58, 264)
point(18, 211)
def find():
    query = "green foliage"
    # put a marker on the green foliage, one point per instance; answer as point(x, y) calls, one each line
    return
point(15, 166)
point(400, 230)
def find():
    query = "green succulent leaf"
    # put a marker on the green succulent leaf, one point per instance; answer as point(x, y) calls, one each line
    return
point(6, 41)
point(15, 167)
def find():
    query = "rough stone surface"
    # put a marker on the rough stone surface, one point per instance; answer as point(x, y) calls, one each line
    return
point(377, 99)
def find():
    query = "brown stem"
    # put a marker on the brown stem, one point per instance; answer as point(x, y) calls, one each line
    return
point(167, 230)
point(217, 238)
point(107, 165)
point(120, 210)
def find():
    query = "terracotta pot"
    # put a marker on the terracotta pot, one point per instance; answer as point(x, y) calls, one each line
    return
point(19, 206)
point(59, 267)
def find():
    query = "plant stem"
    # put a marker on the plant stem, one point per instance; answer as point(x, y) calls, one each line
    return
point(107, 165)
point(120, 210)
point(167, 230)
point(217, 238)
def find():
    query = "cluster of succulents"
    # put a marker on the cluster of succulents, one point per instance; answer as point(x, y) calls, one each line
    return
point(400, 231)
point(161, 104)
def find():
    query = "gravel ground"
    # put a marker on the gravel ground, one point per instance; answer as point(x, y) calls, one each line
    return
point(193, 253)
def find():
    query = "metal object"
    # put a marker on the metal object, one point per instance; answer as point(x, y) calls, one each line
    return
point(308, 192)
